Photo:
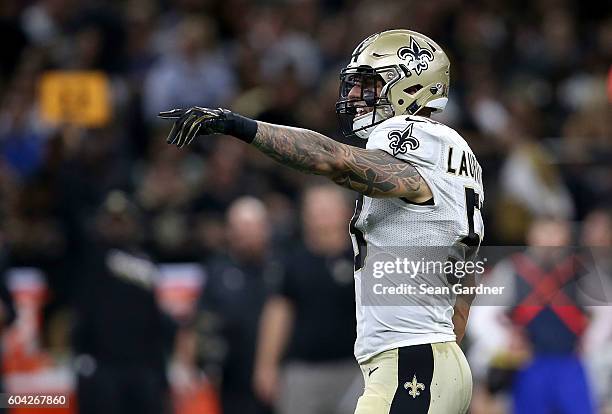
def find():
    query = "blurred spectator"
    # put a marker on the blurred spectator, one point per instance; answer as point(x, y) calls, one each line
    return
point(121, 338)
point(44, 21)
point(596, 236)
point(237, 287)
point(530, 186)
point(293, 50)
point(553, 329)
point(548, 319)
point(195, 72)
point(310, 323)
point(165, 190)
point(22, 136)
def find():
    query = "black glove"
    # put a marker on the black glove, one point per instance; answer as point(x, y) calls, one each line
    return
point(196, 121)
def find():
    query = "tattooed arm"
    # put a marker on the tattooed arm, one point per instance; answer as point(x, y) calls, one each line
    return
point(370, 172)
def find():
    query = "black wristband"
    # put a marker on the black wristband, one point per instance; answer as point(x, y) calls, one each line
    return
point(241, 127)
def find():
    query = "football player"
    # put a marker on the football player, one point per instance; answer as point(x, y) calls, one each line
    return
point(420, 185)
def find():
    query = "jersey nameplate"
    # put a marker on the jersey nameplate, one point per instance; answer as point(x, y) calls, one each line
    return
point(463, 164)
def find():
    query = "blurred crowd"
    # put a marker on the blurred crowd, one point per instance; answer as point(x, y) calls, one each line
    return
point(528, 92)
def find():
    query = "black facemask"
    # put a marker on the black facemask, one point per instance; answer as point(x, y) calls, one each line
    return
point(369, 84)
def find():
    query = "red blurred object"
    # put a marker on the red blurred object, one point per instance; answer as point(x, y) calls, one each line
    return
point(27, 368)
point(203, 400)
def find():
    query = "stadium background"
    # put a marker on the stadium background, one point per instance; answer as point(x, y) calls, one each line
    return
point(530, 91)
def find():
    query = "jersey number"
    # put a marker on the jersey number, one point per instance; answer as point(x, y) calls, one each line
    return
point(472, 202)
point(362, 246)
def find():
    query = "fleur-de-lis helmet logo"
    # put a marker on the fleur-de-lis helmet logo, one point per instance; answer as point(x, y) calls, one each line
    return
point(401, 140)
point(418, 57)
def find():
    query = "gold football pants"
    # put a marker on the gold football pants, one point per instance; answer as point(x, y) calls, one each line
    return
point(419, 379)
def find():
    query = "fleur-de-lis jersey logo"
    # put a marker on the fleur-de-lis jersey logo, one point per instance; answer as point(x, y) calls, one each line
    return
point(414, 387)
point(401, 140)
point(418, 57)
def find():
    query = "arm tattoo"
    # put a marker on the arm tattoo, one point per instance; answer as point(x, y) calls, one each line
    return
point(371, 172)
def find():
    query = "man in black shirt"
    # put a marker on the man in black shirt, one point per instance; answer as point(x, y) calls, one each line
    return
point(234, 294)
point(310, 321)
point(121, 337)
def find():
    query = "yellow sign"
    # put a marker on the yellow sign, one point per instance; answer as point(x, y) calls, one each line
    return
point(76, 97)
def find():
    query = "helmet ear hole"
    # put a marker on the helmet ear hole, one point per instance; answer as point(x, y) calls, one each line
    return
point(411, 90)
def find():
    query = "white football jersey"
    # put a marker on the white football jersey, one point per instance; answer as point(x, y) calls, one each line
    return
point(448, 165)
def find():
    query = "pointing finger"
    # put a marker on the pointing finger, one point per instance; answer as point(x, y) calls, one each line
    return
point(171, 114)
